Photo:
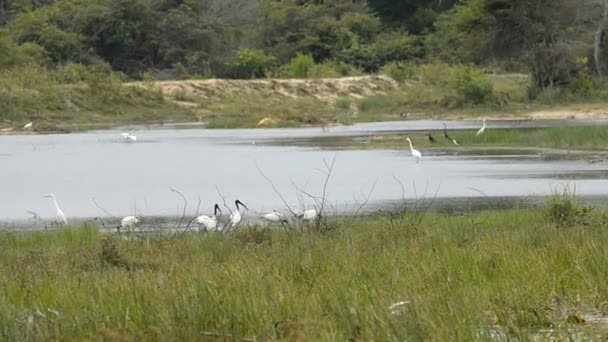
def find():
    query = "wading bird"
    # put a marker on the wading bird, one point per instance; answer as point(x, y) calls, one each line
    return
point(28, 125)
point(482, 129)
point(431, 139)
point(309, 215)
point(209, 223)
point(275, 216)
point(129, 137)
point(445, 134)
point(235, 217)
point(59, 216)
point(129, 222)
point(415, 152)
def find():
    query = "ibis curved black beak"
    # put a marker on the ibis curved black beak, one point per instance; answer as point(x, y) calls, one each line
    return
point(216, 209)
point(237, 203)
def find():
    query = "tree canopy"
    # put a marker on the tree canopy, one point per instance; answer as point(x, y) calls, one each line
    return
point(256, 38)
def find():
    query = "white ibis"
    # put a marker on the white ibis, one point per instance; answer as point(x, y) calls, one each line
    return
point(275, 216)
point(129, 222)
point(209, 223)
point(235, 217)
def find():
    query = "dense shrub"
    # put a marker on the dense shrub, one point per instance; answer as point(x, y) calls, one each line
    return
point(251, 63)
point(301, 65)
point(473, 86)
point(399, 71)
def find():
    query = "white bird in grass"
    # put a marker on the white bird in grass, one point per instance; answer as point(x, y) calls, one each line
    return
point(309, 215)
point(415, 152)
point(209, 223)
point(275, 216)
point(28, 125)
point(129, 137)
point(482, 129)
point(60, 216)
point(129, 222)
point(235, 217)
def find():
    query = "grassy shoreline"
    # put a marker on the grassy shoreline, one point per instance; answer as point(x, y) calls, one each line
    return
point(573, 139)
point(74, 98)
point(515, 272)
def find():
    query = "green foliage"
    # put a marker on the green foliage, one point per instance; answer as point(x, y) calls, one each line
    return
point(474, 86)
point(564, 210)
point(251, 63)
point(399, 71)
point(505, 272)
point(301, 65)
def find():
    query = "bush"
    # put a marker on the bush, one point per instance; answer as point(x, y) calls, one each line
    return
point(474, 86)
point(399, 71)
point(301, 65)
point(334, 69)
point(251, 63)
point(440, 74)
point(564, 210)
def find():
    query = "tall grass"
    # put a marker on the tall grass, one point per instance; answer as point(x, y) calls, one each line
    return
point(464, 276)
point(75, 94)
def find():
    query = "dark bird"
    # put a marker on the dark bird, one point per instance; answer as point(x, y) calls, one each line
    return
point(445, 134)
point(431, 139)
point(445, 131)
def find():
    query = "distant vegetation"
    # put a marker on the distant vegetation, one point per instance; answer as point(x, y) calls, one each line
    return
point(559, 43)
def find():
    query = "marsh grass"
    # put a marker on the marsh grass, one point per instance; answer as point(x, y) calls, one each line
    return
point(463, 276)
point(593, 138)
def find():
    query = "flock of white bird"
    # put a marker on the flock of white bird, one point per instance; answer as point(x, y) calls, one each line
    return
point(416, 154)
point(210, 222)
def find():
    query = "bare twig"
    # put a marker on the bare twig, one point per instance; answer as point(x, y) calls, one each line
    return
point(330, 168)
point(366, 200)
point(276, 191)
point(225, 206)
point(104, 210)
point(185, 206)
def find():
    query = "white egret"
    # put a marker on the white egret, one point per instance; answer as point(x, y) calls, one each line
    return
point(28, 125)
point(129, 137)
point(415, 152)
point(275, 216)
point(309, 215)
point(129, 222)
point(235, 217)
point(209, 223)
point(482, 129)
point(60, 216)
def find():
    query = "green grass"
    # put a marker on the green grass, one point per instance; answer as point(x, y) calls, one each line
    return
point(74, 97)
point(462, 274)
point(581, 138)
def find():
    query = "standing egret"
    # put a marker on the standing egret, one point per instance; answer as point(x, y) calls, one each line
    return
point(275, 216)
point(60, 216)
point(129, 222)
point(482, 129)
point(129, 137)
point(415, 152)
point(28, 125)
point(209, 223)
point(235, 217)
point(309, 215)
